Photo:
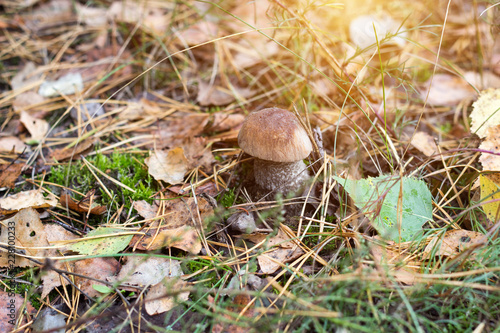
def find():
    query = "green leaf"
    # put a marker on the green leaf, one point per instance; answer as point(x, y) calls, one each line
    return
point(102, 288)
point(107, 244)
point(378, 199)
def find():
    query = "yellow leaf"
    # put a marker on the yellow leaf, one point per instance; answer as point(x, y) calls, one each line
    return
point(490, 190)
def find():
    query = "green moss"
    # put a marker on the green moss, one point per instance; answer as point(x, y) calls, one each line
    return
point(128, 169)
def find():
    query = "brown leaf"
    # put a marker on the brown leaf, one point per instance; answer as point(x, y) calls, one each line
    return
point(145, 210)
point(173, 132)
point(99, 268)
point(10, 306)
point(198, 33)
point(28, 231)
point(240, 302)
point(447, 90)
point(33, 198)
point(9, 174)
point(394, 262)
point(207, 188)
point(83, 206)
point(453, 243)
point(169, 166)
point(209, 94)
point(184, 238)
point(221, 122)
point(198, 153)
point(73, 152)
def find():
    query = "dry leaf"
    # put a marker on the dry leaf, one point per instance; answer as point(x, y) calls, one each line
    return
point(208, 188)
point(157, 300)
point(221, 122)
point(36, 127)
point(25, 76)
point(98, 268)
point(73, 152)
point(240, 302)
point(484, 80)
point(209, 94)
point(94, 17)
point(198, 33)
point(139, 271)
point(83, 206)
point(12, 144)
point(490, 190)
point(286, 251)
point(491, 144)
point(173, 132)
point(28, 232)
point(33, 198)
point(453, 243)
point(447, 90)
point(51, 279)
point(169, 166)
point(145, 210)
point(9, 174)
point(25, 100)
point(184, 238)
point(198, 153)
point(11, 306)
point(425, 143)
point(394, 262)
point(485, 112)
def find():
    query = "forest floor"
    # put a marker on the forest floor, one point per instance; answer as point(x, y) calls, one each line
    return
point(127, 204)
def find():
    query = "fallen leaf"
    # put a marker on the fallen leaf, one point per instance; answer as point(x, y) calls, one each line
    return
point(157, 300)
point(484, 80)
point(12, 144)
point(74, 152)
point(173, 132)
point(425, 143)
point(221, 122)
point(36, 127)
point(485, 112)
point(98, 268)
point(395, 263)
point(28, 233)
point(208, 188)
point(490, 147)
point(9, 174)
point(447, 90)
point(94, 17)
point(490, 190)
point(21, 200)
point(145, 210)
point(151, 16)
point(198, 153)
point(102, 241)
point(169, 166)
point(368, 30)
point(140, 271)
point(285, 251)
point(209, 94)
point(240, 302)
point(81, 206)
point(51, 279)
point(11, 306)
point(25, 76)
point(24, 101)
point(184, 238)
point(68, 84)
point(453, 243)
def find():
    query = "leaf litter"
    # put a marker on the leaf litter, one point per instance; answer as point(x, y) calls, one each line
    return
point(133, 77)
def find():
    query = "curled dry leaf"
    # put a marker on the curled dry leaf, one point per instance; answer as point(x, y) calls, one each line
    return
point(425, 143)
point(33, 198)
point(29, 234)
point(491, 146)
point(169, 166)
point(184, 238)
point(141, 271)
point(485, 112)
point(158, 299)
point(83, 206)
point(9, 174)
point(36, 127)
point(453, 243)
point(73, 152)
point(11, 144)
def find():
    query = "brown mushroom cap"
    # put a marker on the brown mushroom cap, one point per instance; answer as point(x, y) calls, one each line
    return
point(274, 135)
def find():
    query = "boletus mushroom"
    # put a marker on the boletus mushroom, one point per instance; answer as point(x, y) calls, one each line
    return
point(279, 144)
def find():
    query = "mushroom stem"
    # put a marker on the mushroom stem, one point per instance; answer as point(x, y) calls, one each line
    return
point(284, 177)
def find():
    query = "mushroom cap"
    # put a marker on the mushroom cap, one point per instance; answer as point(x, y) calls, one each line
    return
point(274, 135)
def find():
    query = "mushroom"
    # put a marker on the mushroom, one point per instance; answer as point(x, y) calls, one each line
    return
point(279, 143)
